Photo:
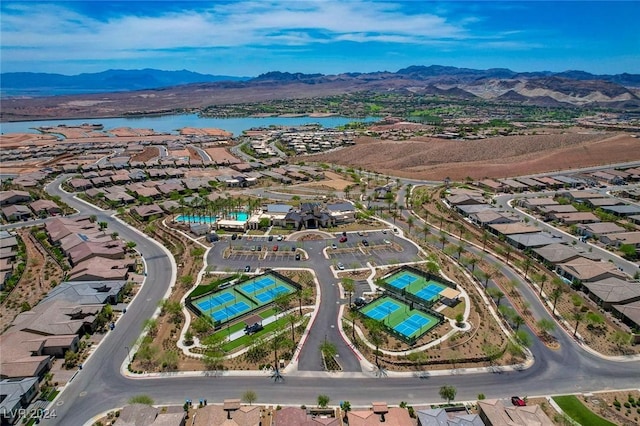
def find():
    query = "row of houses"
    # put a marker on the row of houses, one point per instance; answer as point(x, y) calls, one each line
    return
point(19, 205)
point(231, 412)
point(538, 183)
point(315, 141)
point(76, 307)
point(601, 280)
point(587, 223)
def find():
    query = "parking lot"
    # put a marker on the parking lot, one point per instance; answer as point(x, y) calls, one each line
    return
point(258, 252)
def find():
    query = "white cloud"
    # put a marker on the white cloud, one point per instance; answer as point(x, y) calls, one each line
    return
point(52, 31)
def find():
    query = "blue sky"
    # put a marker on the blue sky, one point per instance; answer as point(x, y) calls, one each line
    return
point(248, 38)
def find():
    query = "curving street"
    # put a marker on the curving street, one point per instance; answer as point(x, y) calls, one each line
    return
point(99, 386)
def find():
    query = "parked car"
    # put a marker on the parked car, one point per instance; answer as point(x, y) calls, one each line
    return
point(359, 301)
point(279, 238)
point(360, 233)
point(518, 402)
point(293, 248)
point(253, 248)
point(259, 248)
point(365, 243)
point(343, 239)
point(344, 233)
point(341, 266)
point(250, 329)
point(386, 241)
point(275, 248)
point(247, 268)
point(270, 238)
point(298, 256)
point(234, 236)
point(384, 231)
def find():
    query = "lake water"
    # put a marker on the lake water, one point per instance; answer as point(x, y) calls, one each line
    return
point(171, 123)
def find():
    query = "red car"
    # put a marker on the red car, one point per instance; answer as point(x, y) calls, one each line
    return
point(518, 402)
point(343, 239)
point(275, 248)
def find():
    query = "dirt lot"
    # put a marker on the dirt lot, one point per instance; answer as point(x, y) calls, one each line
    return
point(429, 158)
point(17, 140)
point(40, 275)
point(205, 132)
point(333, 181)
point(146, 155)
point(604, 404)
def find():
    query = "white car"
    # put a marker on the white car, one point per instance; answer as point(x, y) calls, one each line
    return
point(341, 266)
point(386, 241)
point(279, 238)
point(333, 246)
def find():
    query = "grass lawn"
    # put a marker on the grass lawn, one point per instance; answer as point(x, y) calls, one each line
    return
point(248, 340)
point(268, 313)
point(578, 412)
point(452, 312)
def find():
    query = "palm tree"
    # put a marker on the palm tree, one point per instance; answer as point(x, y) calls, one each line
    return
point(292, 319)
point(442, 238)
point(472, 262)
point(485, 237)
point(497, 294)
point(352, 315)
point(508, 250)
point(425, 231)
point(526, 264)
point(513, 285)
point(278, 341)
point(302, 294)
point(577, 316)
point(555, 295)
point(410, 222)
point(517, 322)
point(375, 336)
point(349, 287)
point(542, 279)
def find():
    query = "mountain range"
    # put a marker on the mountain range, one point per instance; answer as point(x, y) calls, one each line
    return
point(46, 84)
point(129, 92)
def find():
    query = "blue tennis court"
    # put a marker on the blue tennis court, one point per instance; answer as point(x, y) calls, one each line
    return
point(383, 310)
point(230, 311)
point(272, 293)
point(430, 292)
point(403, 281)
point(258, 285)
point(212, 302)
point(413, 324)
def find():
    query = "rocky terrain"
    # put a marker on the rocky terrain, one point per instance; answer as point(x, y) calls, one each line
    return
point(497, 85)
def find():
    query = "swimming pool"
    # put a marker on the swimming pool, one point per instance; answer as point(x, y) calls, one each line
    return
point(195, 219)
point(240, 216)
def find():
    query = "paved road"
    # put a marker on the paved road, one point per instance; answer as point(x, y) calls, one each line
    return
point(352, 254)
point(99, 386)
point(505, 201)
